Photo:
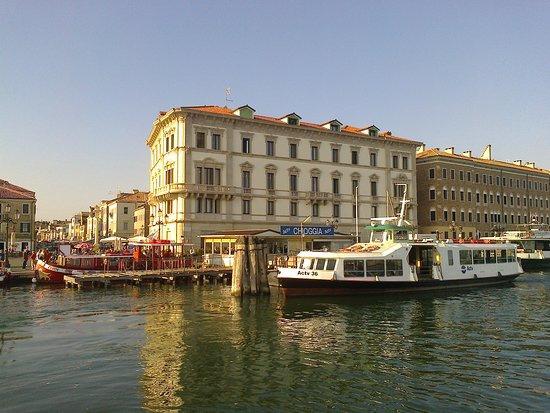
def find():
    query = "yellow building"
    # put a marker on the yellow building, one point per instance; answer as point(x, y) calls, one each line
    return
point(17, 217)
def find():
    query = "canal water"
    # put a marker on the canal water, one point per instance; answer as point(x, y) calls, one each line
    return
point(197, 349)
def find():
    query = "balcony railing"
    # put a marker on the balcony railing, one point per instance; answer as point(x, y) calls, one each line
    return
point(198, 189)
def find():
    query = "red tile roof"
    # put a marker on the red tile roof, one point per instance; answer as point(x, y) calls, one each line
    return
point(219, 110)
point(11, 191)
point(433, 152)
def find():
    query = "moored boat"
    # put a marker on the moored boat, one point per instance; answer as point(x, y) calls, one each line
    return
point(394, 261)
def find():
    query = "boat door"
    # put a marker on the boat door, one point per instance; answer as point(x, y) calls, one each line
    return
point(422, 257)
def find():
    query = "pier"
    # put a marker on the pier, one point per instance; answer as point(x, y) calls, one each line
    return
point(211, 275)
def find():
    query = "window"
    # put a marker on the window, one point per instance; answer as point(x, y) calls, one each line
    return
point(511, 255)
point(445, 193)
point(320, 264)
point(373, 159)
point(331, 264)
point(314, 153)
point(209, 176)
point(270, 180)
point(432, 193)
point(468, 176)
point(293, 209)
point(270, 148)
point(293, 150)
point(374, 211)
point(315, 209)
point(394, 268)
point(469, 196)
point(452, 174)
point(293, 182)
point(25, 227)
point(395, 161)
point(405, 162)
point(432, 173)
point(354, 268)
point(450, 258)
point(354, 186)
point(444, 173)
point(246, 207)
point(26, 209)
point(501, 255)
point(168, 207)
point(270, 207)
point(445, 215)
point(314, 184)
point(125, 210)
point(246, 179)
point(465, 257)
point(398, 190)
point(374, 188)
point(169, 176)
point(246, 145)
point(375, 268)
point(167, 144)
point(490, 256)
point(432, 215)
point(335, 185)
point(216, 141)
point(335, 127)
point(335, 155)
point(198, 206)
point(453, 194)
point(292, 121)
point(336, 210)
point(461, 175)
point(354, 157)
point(200, 139)
point(307, 263)
point(477, 178)
point(172, 141)
point(478, 256)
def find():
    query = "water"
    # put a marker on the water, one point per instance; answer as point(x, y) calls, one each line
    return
point(196, 348)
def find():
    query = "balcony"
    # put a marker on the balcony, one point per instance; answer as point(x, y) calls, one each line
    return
point(193, 189)
point(319, 196)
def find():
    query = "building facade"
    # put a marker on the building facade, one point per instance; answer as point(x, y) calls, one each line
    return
point(214, 169)
point(17, 217)
point(78, 229)
point(141, 220)
point(115, 217)
point(466, 196)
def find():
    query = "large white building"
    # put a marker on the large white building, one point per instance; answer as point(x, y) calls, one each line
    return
point(214, 168)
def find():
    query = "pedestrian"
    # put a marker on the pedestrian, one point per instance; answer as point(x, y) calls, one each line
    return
point(33, 259)
point(26, 255)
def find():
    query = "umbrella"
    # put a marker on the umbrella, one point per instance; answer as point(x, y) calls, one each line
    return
point(83, 246)
point(139, 239)
point(113, 239)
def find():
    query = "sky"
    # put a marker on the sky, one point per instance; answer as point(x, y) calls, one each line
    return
point(82, 81)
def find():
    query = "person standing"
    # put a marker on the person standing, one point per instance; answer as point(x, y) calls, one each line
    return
point(33, 260)
point(26, 255)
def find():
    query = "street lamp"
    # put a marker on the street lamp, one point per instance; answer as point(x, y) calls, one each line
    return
point(302, 229)
point(159, 220)
point(6, 218)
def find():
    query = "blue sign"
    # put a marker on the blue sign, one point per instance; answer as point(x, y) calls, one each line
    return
point(293, 230)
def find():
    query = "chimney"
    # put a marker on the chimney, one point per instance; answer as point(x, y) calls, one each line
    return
point(421, 148)
point(487, 153)
point(518, 162)
point(467, 154)
point(530, 164)
point(450, 150)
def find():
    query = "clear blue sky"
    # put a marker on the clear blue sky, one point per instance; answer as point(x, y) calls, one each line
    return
point(81, 82)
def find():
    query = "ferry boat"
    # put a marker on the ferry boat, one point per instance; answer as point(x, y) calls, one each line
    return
point(394, 261)
point(533, 246)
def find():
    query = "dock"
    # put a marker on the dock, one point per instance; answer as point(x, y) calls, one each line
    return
point(211, 275)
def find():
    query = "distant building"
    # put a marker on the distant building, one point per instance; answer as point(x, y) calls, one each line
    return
point(141, 220)
point(461, 195)
point(55, 230)
point(115, 217)
point(215, 169)
point(17, 217)
point(78, 230)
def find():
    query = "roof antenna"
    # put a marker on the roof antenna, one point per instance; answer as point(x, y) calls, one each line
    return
point(228, 96)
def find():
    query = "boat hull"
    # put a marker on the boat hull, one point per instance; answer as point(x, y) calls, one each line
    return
point(302, 287)
point(51, 274)
point(535, 264)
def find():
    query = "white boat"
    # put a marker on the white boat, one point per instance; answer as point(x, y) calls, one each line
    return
point(533, 245)
point(394, 261)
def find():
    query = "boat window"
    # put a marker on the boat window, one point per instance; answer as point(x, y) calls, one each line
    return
point(465, 257)
point(354, 268)
point(539, 245)
point(330, 265)
point(511, 255)
point(450, 257)
point(490, 256)
point(501, 255)
point(529, 246)
point(375, 268)
point(394, 268)
point(320, 265)
point(307, 263)
point(479, 256)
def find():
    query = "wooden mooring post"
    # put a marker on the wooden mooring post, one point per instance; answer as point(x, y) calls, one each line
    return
point(249, 274)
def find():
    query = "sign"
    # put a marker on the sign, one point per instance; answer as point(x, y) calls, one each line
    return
point(295, 230)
